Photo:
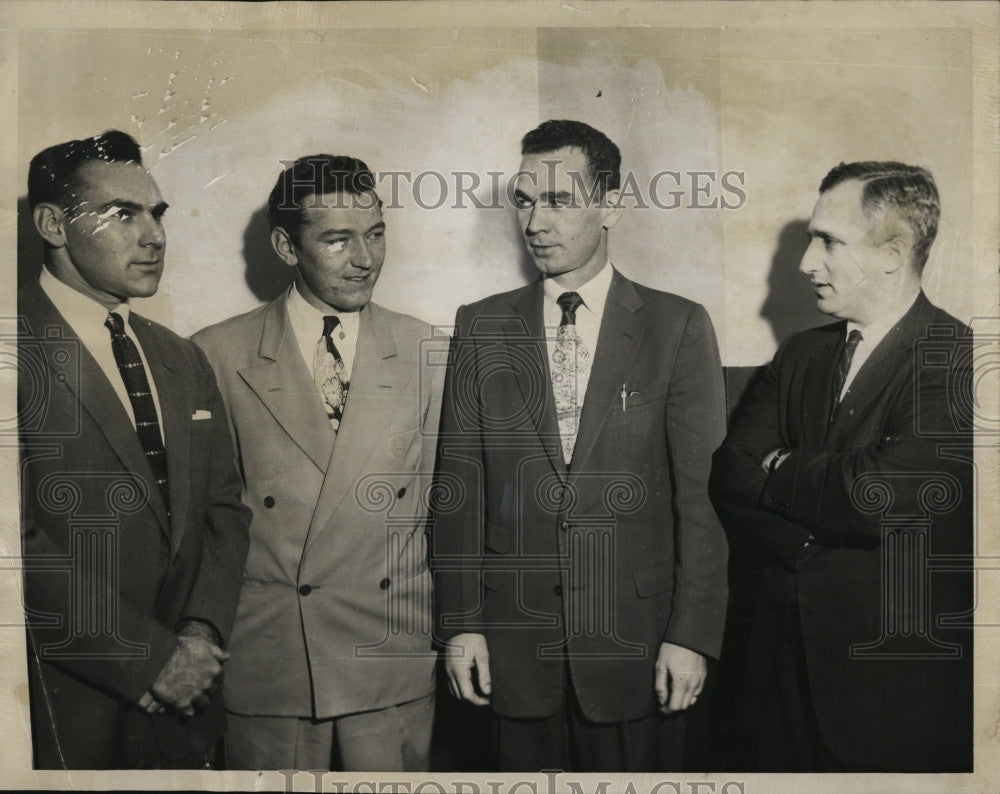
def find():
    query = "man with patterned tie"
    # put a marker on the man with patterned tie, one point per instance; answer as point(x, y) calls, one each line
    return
point(334, 403)
point(580, 571)
point(133, 532)
point(848, 466)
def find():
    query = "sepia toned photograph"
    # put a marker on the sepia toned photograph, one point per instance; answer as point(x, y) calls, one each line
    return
point(527, 397)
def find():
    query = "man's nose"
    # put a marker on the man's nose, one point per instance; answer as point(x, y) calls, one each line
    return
point(811, 258)
point(152, 233)
point(536, 219)
point(362, 256)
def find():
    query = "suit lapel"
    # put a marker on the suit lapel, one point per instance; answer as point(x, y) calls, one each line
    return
point(622, 329)
point(83, 376)
point(526, 334)
point(282, 381)
point(815, 387)
point(176, 409)
point(888, 357)
point(379, 383)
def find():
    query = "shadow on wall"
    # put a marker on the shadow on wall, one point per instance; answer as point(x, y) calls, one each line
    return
point(790, 305)
point(266, 275)
point(497, 224)
point(30, 248)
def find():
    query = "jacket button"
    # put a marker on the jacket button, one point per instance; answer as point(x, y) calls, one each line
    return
point(557, 589)
point(401, 493)
point(564, 526)
point(305, 590)
point(384, 584)
point(269, 501)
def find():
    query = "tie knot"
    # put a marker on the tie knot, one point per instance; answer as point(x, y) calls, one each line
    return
point(854, 338)
point(569, 302)
point(114, 323)
point(330, 321)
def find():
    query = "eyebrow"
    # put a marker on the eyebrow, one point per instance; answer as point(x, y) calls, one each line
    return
point(156, 209)
point(547, 196)
point(348, 232)
point(826, 237)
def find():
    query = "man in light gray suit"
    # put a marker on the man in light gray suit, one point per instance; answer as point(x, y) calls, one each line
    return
point(334, 418)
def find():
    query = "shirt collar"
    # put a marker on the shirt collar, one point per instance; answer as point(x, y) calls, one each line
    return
point(309, 320)
point(876, 331)
point(73, 305)
point(594, 293)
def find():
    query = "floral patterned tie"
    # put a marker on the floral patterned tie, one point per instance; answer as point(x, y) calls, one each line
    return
point(570, 373)
point(329, 372)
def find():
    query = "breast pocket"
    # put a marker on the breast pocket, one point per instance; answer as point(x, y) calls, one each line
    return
point(199, 448)
point(640, 421)
point(199, 427)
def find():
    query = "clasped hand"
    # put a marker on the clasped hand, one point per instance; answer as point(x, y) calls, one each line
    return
point(190, 674)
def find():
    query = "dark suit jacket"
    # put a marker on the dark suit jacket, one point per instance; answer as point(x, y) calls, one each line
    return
point(108, 575)
point(605, 560)
point(890, 674)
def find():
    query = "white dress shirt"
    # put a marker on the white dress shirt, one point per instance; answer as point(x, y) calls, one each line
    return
point(307, 327)
point(86, 317)
point(588, 316)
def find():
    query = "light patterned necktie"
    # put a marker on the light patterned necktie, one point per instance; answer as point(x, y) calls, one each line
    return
point(570, 373)
point(330, 373)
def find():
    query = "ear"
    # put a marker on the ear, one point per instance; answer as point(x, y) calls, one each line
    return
point(612, 208)
point(281, 242)
point(897, 250)
point(50, 222)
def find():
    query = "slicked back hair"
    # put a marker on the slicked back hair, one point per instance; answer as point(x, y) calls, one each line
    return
point(300, 184)
point(53, 172)
point(893, 190)
point(604, 159)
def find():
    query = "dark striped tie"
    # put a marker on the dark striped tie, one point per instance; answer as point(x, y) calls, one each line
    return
point(137, 385)
point(843, 367)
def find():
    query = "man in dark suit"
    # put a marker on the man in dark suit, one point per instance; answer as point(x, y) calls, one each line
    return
point(848, 466)
point(132, 528)
point(580, 571)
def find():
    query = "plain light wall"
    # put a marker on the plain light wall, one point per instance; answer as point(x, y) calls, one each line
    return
point(217, 114)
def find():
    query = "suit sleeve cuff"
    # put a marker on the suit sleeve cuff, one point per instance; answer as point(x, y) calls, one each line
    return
point(200, 626)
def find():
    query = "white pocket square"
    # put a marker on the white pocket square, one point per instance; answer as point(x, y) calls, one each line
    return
point(201, 414)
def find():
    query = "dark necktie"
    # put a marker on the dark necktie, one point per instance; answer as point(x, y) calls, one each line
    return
point(330, 373)
point(147, 426)
point(843, 367)
point(570, 373)
point(569, 302)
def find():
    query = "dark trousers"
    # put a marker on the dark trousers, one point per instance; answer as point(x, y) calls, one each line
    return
point(568, 741)
point(789, 739)
point(76, 726)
